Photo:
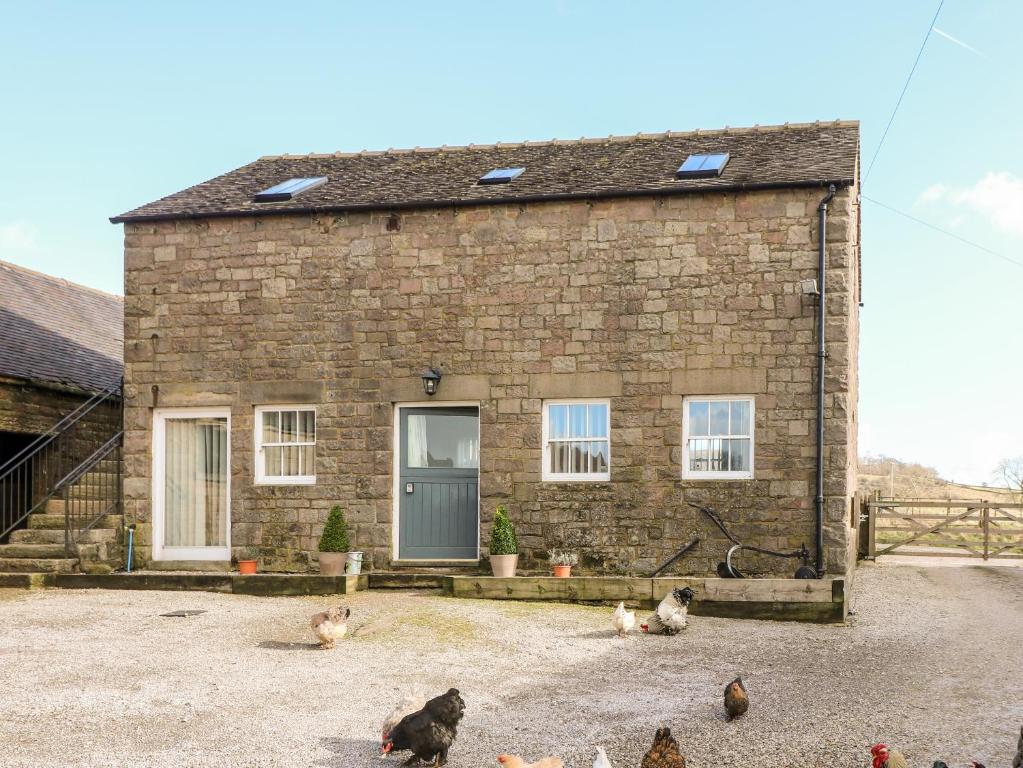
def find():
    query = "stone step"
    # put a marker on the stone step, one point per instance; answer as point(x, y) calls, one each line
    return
point(38, 565)
point(32, 551)
point(52, 521)
point(56, 535)
point(82, 490)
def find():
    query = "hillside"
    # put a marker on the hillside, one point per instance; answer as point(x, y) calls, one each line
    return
point(914, 481)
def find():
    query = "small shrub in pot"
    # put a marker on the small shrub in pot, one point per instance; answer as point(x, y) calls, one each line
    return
point(334, 545)
point(504, 545)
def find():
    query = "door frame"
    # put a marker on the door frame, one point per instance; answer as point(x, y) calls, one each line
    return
point(396, 475)
point(160, 416)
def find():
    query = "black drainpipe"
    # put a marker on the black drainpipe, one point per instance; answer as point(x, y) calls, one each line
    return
point(822, 220)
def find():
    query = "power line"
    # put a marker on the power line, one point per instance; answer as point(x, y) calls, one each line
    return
point(904, 89)
point(936, 228)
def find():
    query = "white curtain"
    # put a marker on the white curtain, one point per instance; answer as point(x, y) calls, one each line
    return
point(195, 488)
point(418, 455)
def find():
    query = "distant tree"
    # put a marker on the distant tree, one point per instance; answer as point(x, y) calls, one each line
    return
point(1010, 472)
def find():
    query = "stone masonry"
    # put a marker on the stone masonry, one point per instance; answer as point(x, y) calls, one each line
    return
point(642, 300)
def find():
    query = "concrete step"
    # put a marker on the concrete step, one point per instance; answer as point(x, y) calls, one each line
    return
point(56, 536)
point(32, 551)
point(37, 565)
point(52, 521)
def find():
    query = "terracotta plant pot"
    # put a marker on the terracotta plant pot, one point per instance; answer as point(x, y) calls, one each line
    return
point(247, 566)
point(504, 565)
point(333, 563)
point(562, 571)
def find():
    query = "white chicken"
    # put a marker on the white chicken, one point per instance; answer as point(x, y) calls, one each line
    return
point(672, 613)
point(330, 625)
point(601, 761)
point(413, 701)
point(622, 620)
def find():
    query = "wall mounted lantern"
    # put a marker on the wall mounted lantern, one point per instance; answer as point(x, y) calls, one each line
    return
point(431, 381)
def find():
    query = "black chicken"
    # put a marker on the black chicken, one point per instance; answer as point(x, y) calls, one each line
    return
point(428, 733)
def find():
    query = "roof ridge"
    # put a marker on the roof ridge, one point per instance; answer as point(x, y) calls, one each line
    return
point(61, 280)
point(697, 132)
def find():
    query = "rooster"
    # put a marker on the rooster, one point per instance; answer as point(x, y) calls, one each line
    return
point(330, 625)
point(886, 758)
point(413, 701)
point(622, 620)
point(664, 752)
point(514, 761)
point(671, 615)
point(736, 699)
point(430, 732)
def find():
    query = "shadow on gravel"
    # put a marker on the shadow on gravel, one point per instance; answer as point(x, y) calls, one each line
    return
point(350, 748)
point(280, 645)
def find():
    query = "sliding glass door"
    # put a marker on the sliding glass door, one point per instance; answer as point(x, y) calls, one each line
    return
point(191, 484)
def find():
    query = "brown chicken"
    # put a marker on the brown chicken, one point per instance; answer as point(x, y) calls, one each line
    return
point(514, 761)
point(736, 699)
point(886, 758)
point(664, 752)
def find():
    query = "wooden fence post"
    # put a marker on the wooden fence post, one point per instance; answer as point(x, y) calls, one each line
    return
point(986, 518)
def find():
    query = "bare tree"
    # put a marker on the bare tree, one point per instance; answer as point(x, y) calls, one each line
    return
point(1010, 472)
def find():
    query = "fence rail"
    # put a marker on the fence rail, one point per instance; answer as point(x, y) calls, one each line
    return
point(944, 527)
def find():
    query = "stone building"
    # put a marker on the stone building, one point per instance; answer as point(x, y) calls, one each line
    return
point(621, 326)
point(60, 344)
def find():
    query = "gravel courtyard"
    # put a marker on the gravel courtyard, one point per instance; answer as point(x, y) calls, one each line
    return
point(931, 663)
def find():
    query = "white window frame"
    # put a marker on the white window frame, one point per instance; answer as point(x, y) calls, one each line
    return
point(718, 474)
point(261, 478)
point(573, 477)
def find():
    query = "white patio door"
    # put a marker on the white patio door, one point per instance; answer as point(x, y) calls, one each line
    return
point(191, 484)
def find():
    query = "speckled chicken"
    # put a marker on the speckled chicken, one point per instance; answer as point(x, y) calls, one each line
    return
point(736, 699)
point(672, 615)
point(330, 625)
point(883, 757)
point(664, 752)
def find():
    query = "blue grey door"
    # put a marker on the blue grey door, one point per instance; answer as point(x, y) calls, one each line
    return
point(438, 507)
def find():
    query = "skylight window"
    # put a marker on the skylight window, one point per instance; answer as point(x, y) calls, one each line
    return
point(702, 166)
point(288, 189)
point(501, 175)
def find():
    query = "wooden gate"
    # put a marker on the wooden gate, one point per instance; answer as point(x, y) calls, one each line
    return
point(943, 528)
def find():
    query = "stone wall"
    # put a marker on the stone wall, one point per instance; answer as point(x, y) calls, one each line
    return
point(643, 300)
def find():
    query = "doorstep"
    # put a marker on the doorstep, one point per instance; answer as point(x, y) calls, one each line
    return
point(263, 584)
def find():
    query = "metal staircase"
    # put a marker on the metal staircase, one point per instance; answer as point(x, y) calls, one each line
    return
point(60, 497)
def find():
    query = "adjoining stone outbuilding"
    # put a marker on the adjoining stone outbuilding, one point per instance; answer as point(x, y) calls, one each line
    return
point(621, 326)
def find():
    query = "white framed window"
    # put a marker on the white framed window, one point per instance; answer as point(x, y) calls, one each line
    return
point(717, 437)
point(285, 445)
point(577, 440)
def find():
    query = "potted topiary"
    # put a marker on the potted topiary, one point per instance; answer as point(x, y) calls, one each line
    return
point(334, 544)
point(563, 562)
point(248, 560)
point(504, 546)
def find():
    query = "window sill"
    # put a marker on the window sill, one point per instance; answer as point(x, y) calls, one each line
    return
point(720, 476)
point(576, 479)
point(285, 481)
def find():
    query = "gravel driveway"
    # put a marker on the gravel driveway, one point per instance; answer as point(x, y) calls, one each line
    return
point(931, 663)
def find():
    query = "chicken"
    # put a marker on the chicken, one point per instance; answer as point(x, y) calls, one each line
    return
point(601, 761)
point(622, 620)
point(330, 625)
point(886, 758)
point(514, 761)
point(1017, 761)
point(413, 701)
point(671, 615)
point(664, 752)
point(736, 699)
point(430, 732)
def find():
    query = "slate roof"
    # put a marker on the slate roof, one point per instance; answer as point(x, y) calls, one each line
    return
point(57, 332)
point(807, 154)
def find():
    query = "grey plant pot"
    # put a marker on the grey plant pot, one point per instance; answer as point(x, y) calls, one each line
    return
point(333, 563)
point(504, 565)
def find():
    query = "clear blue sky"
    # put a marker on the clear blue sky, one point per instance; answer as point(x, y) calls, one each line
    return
point(104, 106)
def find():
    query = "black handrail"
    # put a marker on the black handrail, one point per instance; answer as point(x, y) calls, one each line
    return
point(47, 465)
